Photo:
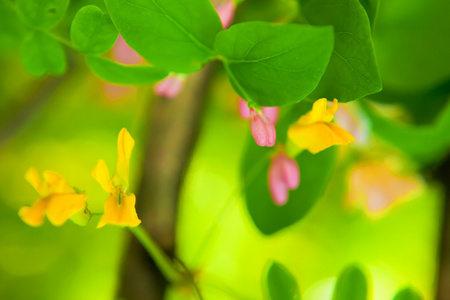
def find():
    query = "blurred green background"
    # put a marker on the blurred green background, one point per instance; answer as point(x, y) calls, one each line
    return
point(68, 129)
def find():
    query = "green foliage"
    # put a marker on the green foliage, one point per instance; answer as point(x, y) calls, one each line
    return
point(422, 143)
point(12, 30)
point(352, 72)
point(351, 285)
point(315, 170)
point(407, 294)
point(371, 7)
point(175, 35)
point(123, 74)
point(92, 30)
point(42, 54)
point(42, 14)
point(280, 284)
point(275, 65)
point(412, 47)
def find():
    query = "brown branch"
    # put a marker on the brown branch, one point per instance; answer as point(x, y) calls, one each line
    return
point(173, 130)
point(443, 289)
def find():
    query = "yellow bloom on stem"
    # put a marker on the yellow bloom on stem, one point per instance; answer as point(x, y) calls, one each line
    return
point(120, 205)
point(59, 201)
point(315, 132)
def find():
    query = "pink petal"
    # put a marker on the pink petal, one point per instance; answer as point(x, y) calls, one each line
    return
point(277, 187)
point(124, 54)
point(244, 111)
point(175, 86)
point(161, 87)
point(262, 129)
point(225, 10)
point(289, 171)
point(271, 133)
point(271, 113)
point(258, 128)
point(170, 87)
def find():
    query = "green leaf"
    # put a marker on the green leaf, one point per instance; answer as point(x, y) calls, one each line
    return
point(92, 30)
point(407, 294)
point(175, 35)
point(12, 30)
point(315, 170)
point(351, 285)
point(280, 284)
point(124, 74)
point(371, 7)
point(412, 51)
point(422, 143)
point(41, 53)
point(352, 72)
point(275, 65)
point(42, 14)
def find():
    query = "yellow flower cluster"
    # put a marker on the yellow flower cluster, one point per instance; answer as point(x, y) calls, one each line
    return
point(60, 202)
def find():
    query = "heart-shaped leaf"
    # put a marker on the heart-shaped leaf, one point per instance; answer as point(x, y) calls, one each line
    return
point(92, 30)
point(42, 14)
point(274, 65)
point(42, 54)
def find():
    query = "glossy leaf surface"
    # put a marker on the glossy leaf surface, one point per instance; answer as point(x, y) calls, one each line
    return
point(175, 35)
point(352, 72)
point(275, 65)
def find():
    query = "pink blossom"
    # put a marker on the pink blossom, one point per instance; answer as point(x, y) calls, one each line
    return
point(124, 54)
point(170, 87)
point(225, 10)
point(244, 111)
point(284, 175)
point(270, 112)
point(262, 129)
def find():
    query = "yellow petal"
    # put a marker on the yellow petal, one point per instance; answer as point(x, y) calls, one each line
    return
point(318, 136)
point(123, 214)
point(345, 136)
point(57, 184)
point(101, 174)
point(62, 206)
point(329, 114)
point(317, 113)
point(32, 176)
point(125, 145)
point(34, 215)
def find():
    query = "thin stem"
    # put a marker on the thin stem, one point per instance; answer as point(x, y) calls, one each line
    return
point(163, 262)
point(60, 39)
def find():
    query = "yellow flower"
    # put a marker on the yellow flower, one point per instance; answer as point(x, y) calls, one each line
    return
point(315, 132)
point(120, 205)
point(59, 201)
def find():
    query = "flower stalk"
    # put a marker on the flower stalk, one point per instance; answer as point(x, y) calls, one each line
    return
point(163, 262)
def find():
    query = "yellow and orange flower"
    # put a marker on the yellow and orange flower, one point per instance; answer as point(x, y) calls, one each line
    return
point(59, 201)
point(315, 132)
point(120, 205)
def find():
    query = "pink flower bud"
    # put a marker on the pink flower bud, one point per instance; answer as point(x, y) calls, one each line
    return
point(225, 10)
point(124, 54)
point(170, 87)
point(271, 113)
point(244, 111)
point(262, 129)
point(284, 175)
